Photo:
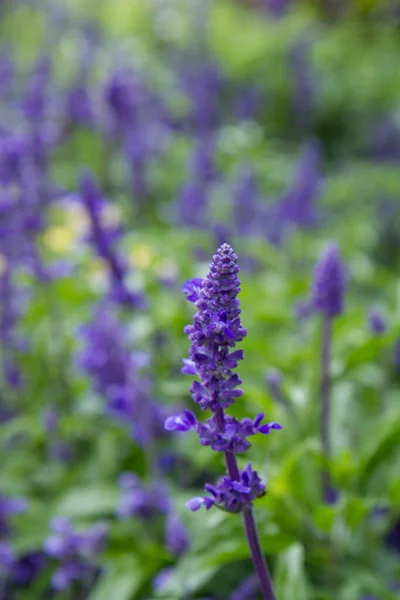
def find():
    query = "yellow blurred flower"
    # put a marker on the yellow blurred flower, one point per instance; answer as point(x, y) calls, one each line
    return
point(77, 220)
point(142, 256)
point(59, 239)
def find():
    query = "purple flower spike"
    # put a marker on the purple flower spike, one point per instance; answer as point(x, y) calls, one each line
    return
point(191, 288)
point(329, 283)
point(103, 240)
point(215, 331)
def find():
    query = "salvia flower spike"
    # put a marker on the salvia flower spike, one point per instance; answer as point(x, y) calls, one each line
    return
point(215, 331)
point(328, 295)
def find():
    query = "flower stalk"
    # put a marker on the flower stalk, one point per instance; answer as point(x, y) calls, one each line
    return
point(325, 411)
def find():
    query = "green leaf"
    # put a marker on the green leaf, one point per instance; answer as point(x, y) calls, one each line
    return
point(290, 580)
point(354, 511)
point(119, 582)
point(379, 451)
point(189, 576)
point(88, 502)
point(324, 517)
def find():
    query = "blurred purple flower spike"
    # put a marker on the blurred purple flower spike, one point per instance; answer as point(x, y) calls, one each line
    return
point(329, 284)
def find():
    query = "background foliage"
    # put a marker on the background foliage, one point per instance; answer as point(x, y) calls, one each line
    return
point(232, 109)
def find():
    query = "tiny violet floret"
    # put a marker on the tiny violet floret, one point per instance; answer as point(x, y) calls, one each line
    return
point(230, 495)
point(233, 438)
point(192, 289)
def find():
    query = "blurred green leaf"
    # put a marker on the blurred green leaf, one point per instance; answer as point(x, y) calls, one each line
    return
point(290, 576)
point(90, 502)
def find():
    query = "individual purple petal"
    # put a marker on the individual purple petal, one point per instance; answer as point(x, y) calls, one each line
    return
point(240, 487)
point(194, 504)
point(258, 419)
point(191, 288)
point(266, 429)
point(183, 422)
point(189, 367)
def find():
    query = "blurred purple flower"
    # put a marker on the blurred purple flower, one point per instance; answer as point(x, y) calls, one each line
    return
point(192, 201)
point(276, 8)
point(119, 95)
point(75, 552)
point(202, 84)
point(27, 567)
point(303, 309)
point(116, 374)
point(176, 535)
point(393, 537)
point(384, 144)
point(7, 559)
point(303, 85)
point(138, 500)
point(10, 506)
point(6, 73)
point(103, 240)
point(329, 284)
point(79, 107)
point(248, 102)
point(162, 578)
point(297, 206)
point(35, 99)
point(245, 201)
point(246, 590)
point(50, 419)
point(376, 322)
